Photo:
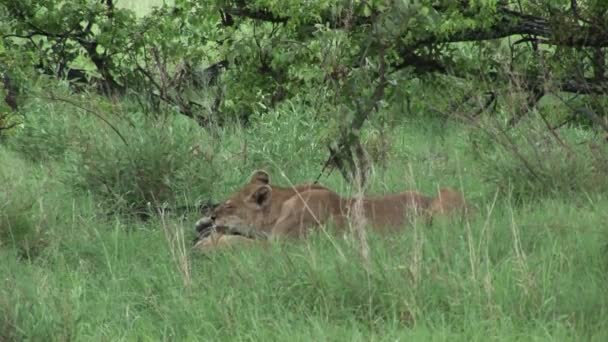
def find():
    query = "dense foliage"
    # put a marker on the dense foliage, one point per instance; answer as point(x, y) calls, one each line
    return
point(221, 60)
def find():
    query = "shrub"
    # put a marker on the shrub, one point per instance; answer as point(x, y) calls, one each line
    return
point(161, 161)
point(530, 161)
point(26, 214)
point(45, 133)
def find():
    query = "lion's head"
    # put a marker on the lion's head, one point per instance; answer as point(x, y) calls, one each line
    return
point(243, 211)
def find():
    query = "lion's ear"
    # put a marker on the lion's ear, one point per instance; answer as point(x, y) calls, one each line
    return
point(260, 176)
point(262, 195)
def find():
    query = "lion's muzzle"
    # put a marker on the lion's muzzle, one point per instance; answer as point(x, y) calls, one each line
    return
point(207, 226)
point(203, 224)
point(204, 228)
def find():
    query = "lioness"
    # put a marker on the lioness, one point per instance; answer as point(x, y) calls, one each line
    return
point(256, 211)
point(314, 208)
point(206, 225)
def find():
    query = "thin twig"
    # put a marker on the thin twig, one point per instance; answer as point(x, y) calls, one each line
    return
point(95, 113)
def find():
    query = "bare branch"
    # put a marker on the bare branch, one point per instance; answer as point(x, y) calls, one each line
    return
point(53, 97)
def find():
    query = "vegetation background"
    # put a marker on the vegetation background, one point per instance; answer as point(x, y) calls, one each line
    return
point(121, 119)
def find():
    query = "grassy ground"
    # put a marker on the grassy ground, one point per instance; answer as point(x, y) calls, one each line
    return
point(77, 262)
point(74, 266)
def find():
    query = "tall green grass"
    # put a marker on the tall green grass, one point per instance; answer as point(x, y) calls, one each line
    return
point(75, 265)
point(507, 276)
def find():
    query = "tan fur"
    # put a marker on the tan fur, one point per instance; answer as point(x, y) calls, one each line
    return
point(319, 207)
point(259, 210)
point(257, 204)
point(449, 202)
point(240, 211)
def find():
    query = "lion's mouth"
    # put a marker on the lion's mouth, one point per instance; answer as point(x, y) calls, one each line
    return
point(206, 226)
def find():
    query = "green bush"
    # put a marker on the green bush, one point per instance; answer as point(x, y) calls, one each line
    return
point(27, 213)
point(529, 161)
point(45, 133)
point(130, 162)
point(161, 162)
